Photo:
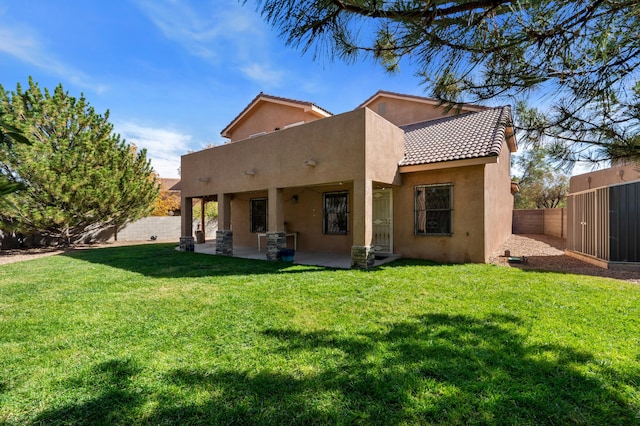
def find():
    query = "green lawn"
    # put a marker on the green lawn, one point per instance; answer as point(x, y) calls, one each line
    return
point(148, 335)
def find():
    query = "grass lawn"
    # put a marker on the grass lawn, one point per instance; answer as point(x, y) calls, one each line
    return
point(149, 335)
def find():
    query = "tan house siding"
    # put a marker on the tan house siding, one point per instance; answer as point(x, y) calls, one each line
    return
point(498, 202)
point(277, 160)
point(384, 149)
point(267, 118)
point(336, 145)
point(403, 111)
point(605, 177)
point(466, 244)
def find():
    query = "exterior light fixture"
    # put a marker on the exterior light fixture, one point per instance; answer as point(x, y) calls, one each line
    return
point(204, 179)
point(250, 172)
point(311, 163)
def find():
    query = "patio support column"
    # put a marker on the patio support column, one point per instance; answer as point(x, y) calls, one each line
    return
point(224, 235)
point(186, 224)
point(362, 254)
point(276, 237)
point(203, 222)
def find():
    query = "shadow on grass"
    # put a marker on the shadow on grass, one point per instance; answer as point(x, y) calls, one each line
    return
point(164, 261)
point(113, 397)
point(434, 369)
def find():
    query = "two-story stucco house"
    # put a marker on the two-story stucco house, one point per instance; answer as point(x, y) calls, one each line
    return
point(398, 174)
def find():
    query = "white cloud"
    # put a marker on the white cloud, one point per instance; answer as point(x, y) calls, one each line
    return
point(201, 33)
point(227, 33)
point(23, 44)
point(164, 147)
point(263, 74)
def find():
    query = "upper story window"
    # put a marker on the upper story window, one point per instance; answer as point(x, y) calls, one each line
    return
point(433, 209)
point(258, 208)
point(335, 213)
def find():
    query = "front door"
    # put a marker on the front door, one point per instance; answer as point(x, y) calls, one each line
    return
point(382, 221)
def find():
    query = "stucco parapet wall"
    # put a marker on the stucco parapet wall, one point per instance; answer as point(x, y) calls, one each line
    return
point(355, 145)
point(606, 177)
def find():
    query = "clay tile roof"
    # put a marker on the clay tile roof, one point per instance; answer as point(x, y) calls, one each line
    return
point(470, 135)
point(168, 184)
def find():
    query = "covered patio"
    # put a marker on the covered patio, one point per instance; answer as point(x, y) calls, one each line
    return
point(310, 181)
point(327, 260)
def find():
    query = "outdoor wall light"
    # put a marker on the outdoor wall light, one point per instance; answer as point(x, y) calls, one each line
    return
point(251, 172)
point(294, 199)
point(311, 163)
point(204, 179)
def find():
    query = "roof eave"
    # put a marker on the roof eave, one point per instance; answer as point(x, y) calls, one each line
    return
point(316, 110)
point(463, 162)
point(512, 143)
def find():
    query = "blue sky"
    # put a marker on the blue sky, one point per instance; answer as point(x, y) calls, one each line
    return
point(174, 73)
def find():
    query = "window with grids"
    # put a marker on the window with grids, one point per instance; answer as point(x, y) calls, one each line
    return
point(336, 213)
point(258, 215)
point(433, 209)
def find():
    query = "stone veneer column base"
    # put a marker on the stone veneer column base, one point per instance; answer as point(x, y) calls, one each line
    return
point(224, 242)
point(186, 244)
point(362, 257)
point(275, 242)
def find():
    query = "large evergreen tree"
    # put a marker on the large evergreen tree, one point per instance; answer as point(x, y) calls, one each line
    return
point(78, 175)
point(579, 59)
point(8, 136)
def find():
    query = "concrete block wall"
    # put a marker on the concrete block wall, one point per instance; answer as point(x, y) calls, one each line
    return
point(555, 222)
point(551, 222)
point(165, 228)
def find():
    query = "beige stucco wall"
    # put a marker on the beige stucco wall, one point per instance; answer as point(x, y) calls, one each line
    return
point(467, 242)
point(498, 202)
point(408, 111)
point(266, 117)
point(355, 148)
point(606, 177)
point(336, 144)
point(303, 216)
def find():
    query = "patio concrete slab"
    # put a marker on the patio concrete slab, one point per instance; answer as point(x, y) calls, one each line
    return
point(328, 260)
